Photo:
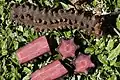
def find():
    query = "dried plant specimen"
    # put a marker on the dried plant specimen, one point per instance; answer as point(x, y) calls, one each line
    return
point(34, 49)
point(67, 48)
point(44, 19)
point(50, 72)
point(82, 63)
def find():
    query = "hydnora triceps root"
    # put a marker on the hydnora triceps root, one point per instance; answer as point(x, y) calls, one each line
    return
point(49, 19)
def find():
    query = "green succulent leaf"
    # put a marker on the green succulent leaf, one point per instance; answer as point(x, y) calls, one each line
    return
point(113, 77)
point(114, 53)
point(110, 44)
point(89, 50)
point(112, 62)
point(117, 64)
point(118, 3)
point(118, 23)
point(26, 70)
point(15, 44)
point(103, 59)
point(64, 5)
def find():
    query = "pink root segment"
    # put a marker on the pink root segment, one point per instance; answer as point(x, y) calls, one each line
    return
point(82, 63)
point(50, 72)
point(34, 49)
point(67, 48)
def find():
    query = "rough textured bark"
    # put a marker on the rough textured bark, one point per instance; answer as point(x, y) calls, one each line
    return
point(50, 72)
point(34, 49)
point(44, 19)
